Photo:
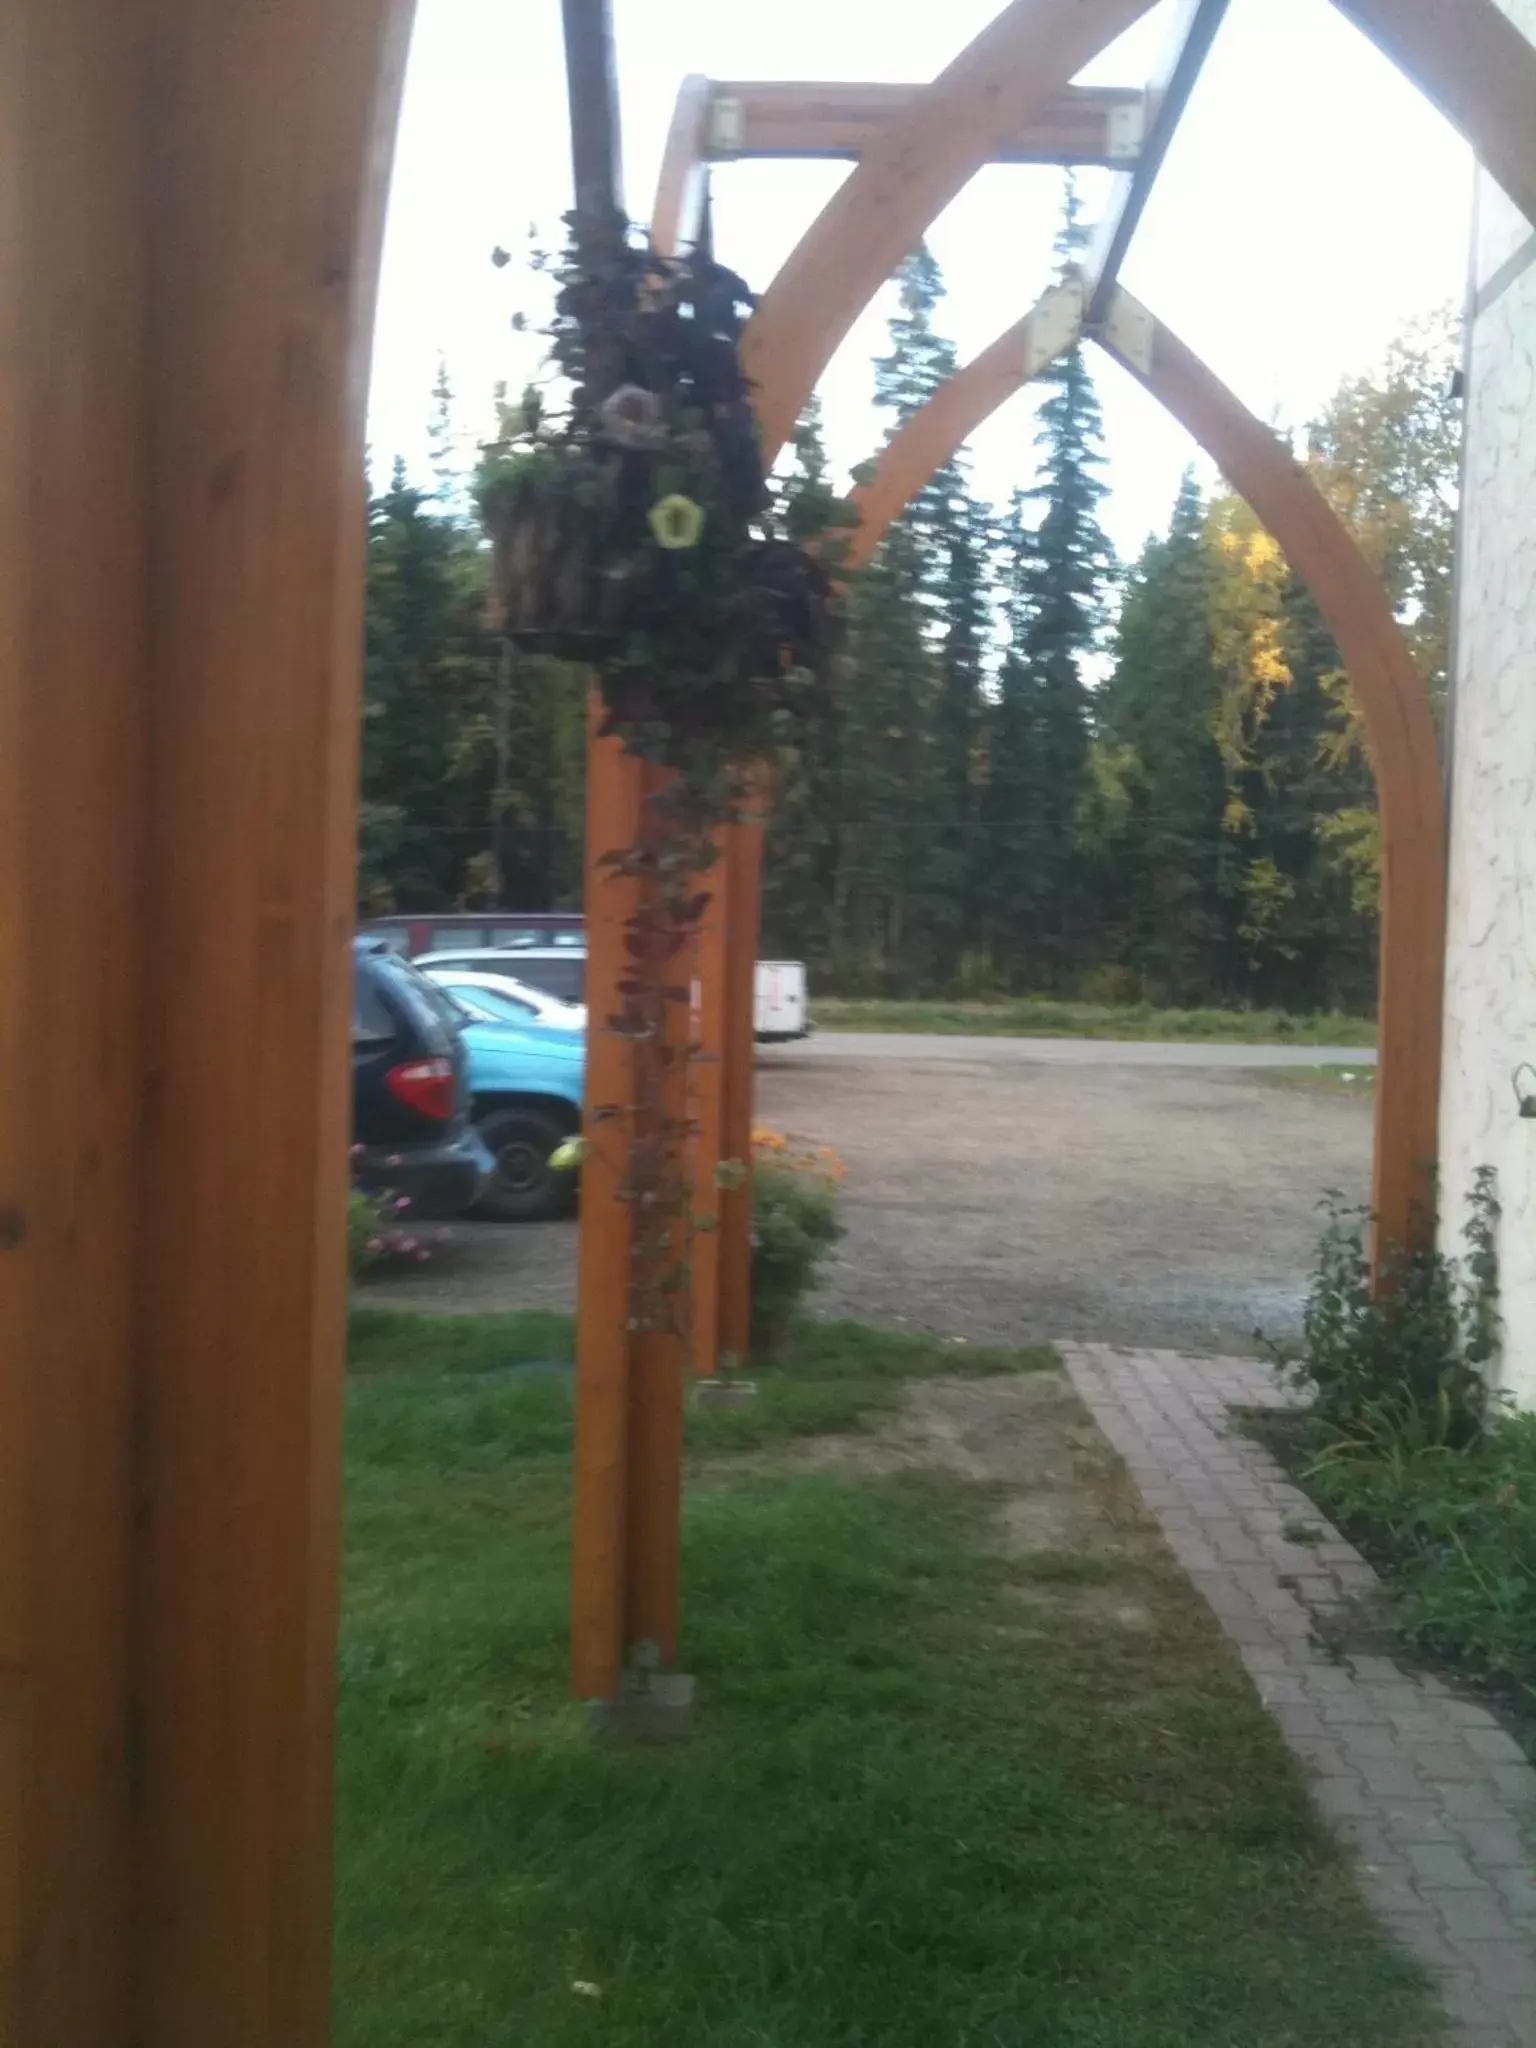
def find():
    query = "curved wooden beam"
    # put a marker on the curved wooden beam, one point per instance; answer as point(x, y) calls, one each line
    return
point(1391, 693)
point(908, 176)
point(1394, 704)
point(1473, 63)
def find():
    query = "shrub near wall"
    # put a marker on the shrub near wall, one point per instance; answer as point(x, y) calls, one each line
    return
point(1410, 1451)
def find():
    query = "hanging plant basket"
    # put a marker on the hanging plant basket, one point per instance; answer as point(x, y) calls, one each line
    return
point(632, 530)
point(548, 526)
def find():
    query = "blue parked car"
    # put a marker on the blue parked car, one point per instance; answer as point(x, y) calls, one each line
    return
point(525, 1084)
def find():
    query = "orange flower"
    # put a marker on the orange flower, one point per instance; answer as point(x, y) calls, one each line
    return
point(772, 1147)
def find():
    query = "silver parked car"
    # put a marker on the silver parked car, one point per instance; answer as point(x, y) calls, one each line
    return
point(505, 998)
point(559, 971)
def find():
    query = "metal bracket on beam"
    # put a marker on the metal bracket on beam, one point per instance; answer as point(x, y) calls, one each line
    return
point(1130, 332)
point(1125, 130)
point(727, 126)
point(1055, 327)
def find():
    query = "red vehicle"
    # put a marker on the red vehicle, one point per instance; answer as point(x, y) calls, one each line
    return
point(457, 931)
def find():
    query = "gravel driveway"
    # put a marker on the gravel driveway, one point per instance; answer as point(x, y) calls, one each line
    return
point(1006, 1190)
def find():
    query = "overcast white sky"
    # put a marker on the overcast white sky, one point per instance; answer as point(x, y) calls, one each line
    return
point(1311, 205)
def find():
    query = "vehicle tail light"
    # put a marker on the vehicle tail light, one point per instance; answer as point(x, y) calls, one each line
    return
point(425, 1086)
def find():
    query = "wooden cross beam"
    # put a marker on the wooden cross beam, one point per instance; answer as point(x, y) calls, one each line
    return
point(756, 119)
point(734, 121)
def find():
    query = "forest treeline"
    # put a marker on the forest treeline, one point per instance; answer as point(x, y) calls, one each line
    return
point(1038, 770)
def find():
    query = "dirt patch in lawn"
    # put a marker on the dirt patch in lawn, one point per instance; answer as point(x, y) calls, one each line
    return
point(1066, 1513)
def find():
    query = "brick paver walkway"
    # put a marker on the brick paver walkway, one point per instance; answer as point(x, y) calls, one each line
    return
point(1437, 1800)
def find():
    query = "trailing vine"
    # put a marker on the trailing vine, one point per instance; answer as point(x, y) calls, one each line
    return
point(632, 534)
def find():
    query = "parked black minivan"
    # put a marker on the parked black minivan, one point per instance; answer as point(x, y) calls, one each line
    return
point(410, 1092)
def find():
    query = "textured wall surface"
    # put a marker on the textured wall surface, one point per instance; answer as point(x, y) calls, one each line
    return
point(1491, 954)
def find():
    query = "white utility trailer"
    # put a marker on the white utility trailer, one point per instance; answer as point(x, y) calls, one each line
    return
point(779, 1007)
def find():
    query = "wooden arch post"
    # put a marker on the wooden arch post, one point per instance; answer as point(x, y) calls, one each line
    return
point(1393, 697)
point(192, 197)
point(630, 1384)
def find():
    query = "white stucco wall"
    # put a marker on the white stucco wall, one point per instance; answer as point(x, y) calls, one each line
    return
point(1490, 1019)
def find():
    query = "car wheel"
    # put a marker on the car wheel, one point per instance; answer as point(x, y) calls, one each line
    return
point(525, 1187)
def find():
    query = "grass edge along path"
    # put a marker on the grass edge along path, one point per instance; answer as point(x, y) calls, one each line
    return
point(926, 1808)
point(1047, 1017)
point(1452, 1535)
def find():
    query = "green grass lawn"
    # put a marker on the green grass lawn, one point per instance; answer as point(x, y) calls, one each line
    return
point(928, 1806)
point(1041, 1017)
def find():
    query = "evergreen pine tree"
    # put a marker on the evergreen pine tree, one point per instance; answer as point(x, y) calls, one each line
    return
point(920, 362)
point(956, 877)
point(420, 630)
point(802, 857)
point(453, 736)
point(1056, 574)
point(931, 570)
point(921, 359)
point(442, 460)
point(1156, 720)
point(808, 508)
point(886, 791)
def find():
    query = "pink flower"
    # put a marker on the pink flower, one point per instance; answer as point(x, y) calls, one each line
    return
point(632, 416)
point(357, 1151)
point(395, 1159)
point(402, 1201)
point(407, 1244)
point(375, 1244)
point(422, 1258)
